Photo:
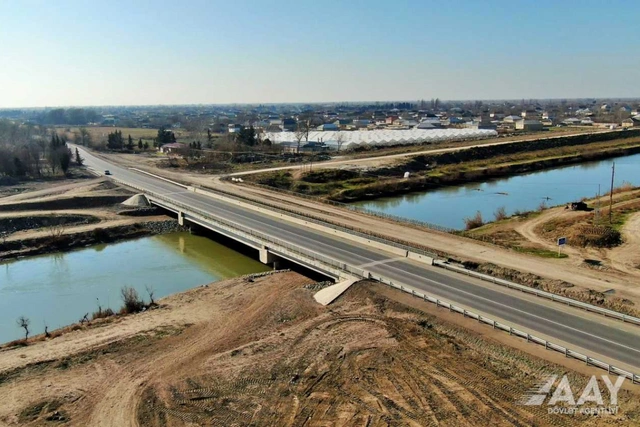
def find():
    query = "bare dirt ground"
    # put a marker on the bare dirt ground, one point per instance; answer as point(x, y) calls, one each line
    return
point(627, 256)
point(94, 204)
point(262, 352)
point(624, 258)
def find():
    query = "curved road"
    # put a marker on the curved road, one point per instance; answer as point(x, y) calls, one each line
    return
point(616, 341)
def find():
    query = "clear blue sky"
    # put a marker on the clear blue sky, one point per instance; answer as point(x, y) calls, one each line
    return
point(136, 52)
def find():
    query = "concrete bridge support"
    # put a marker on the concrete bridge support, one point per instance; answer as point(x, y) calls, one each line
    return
point(181, 218)
point(269, 258)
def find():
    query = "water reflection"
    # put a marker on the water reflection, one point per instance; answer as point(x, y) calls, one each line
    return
point(59, 288)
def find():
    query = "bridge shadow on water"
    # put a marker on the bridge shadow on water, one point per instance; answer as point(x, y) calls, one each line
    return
point(251, 252)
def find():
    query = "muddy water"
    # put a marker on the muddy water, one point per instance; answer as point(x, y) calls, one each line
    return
point(450, 205)
point(58, 289)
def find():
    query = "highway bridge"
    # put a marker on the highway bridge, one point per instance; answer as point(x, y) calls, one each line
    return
point(321, 249)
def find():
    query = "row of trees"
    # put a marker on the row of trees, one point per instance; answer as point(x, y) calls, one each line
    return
point(71, 116)
point(28, 151)
point(115, 141)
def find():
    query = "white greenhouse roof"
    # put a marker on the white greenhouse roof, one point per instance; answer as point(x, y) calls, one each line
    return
point(386, 137)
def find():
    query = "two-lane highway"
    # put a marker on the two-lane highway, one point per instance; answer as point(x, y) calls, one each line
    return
point(618, 342)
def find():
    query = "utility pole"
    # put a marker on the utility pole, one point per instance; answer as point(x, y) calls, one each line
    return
point(613, 173)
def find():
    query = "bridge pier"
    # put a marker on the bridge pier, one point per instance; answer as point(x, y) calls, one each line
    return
point(181, 218)
point(269, 258)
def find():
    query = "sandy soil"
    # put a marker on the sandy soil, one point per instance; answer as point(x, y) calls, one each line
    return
point(262, 352)
point(625, 258)
point(101, 193)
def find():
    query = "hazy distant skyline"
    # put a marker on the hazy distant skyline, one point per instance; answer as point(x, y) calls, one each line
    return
point(218, 52)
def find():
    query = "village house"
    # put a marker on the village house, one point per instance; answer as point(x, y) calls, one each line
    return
point(529, 125)
point(172, 148)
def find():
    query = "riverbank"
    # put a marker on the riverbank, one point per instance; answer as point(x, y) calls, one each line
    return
point(427, 172)
point(62, 217)
point(206, 356)
point(537, 232)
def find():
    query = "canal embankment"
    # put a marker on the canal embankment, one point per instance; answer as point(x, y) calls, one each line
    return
point(434, 171)
point(61, 218)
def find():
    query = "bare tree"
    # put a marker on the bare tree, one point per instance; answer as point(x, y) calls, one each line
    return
point(24, 322)
point(301, 132)
point(340, 139)
point(150, 292)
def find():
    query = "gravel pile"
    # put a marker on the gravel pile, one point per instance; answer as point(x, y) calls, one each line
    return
point(162, 227)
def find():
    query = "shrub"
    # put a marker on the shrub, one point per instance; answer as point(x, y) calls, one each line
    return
point(107, 312)
point(500, 213)
point(542, 206)
point(132, 301)
point(474, 222)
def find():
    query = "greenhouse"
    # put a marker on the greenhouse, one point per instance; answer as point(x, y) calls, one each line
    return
point(384, 137)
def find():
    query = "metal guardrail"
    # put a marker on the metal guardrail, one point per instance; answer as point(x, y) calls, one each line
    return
point(548, 295)
point(359, 209)
point(308, 218)
point(590, 361)
point(543, 294)
point(248, 233)
point(299, 215)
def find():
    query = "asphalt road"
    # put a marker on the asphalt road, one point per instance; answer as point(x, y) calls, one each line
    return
point(617, 342)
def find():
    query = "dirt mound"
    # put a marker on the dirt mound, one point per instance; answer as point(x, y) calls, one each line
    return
point(139, 200)
point(594, 236)
point(68, 203)
point(12, 225)
point(262, 352)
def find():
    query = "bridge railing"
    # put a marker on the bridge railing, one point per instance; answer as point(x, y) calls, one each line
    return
point(263, 238)
point(548, 295)
point(360, 209)
point(308, 218)
point(590, 361)
point(530, 290)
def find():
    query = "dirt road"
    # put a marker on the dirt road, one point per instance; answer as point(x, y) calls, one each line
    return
point(377, 161)
point(627, 256)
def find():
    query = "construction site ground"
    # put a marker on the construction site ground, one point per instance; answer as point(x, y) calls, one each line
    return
point(94, 202)
point(262, 352)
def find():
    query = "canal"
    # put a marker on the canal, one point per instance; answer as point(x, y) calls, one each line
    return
point(59, 288)
point(449, 206)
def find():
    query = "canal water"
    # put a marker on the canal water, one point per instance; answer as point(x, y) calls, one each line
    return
point(58, 289)
point(449, 206)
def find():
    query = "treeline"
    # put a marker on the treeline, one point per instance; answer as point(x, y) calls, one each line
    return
point(30, 151)
point(71, 116)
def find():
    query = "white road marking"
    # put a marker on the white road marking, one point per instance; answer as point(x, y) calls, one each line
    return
point(382, 261)
point(526, 313)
